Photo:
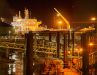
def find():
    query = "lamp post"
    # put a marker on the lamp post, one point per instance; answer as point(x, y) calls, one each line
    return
point(79, 50)
point(60, 24)
point(90, 44)
point(70, 33)
point(70, 36)
point(93, 19)
point(65, 20)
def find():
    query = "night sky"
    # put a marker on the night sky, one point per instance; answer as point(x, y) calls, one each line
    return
point(83, 10)
point(40, 9)
point(73, 10)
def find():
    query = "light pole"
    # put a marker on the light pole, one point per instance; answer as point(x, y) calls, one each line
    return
point(65, 20)
point(93, 19)
point(90, 44)
point(60, 24)
point(70, 33)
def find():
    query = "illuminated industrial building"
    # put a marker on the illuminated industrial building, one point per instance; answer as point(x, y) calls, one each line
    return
point(20, 55)
point(26, 24)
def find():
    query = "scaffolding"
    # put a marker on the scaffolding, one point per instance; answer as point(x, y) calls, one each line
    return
point(14, 48)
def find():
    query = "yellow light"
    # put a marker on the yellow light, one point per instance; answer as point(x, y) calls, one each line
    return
point(19, 20)
point(69, 52)
point(76, 49)
point(65, 20)
point(58, 15)
point(81, 49)
point(93, 18)
point(60, 22)
point(91, 44)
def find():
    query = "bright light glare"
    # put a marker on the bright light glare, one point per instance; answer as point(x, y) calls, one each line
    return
point(78, 49)
point(93, 18)
point(81, 49)
point(91, 44)
point(60, 22)
point(69, 52)
point(58, 15)
point(66, 21)
point(19, 20)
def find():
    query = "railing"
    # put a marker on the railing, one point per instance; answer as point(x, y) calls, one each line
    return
point(92, 58)
point(12, 42)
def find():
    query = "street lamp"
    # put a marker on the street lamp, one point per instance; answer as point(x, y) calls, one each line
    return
point(81, 49)
point(90, 44)
point(69, 52)
point(70, 32)
point(60, 22)
point(58, 15)
point(93, 18)
point(65, 20)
